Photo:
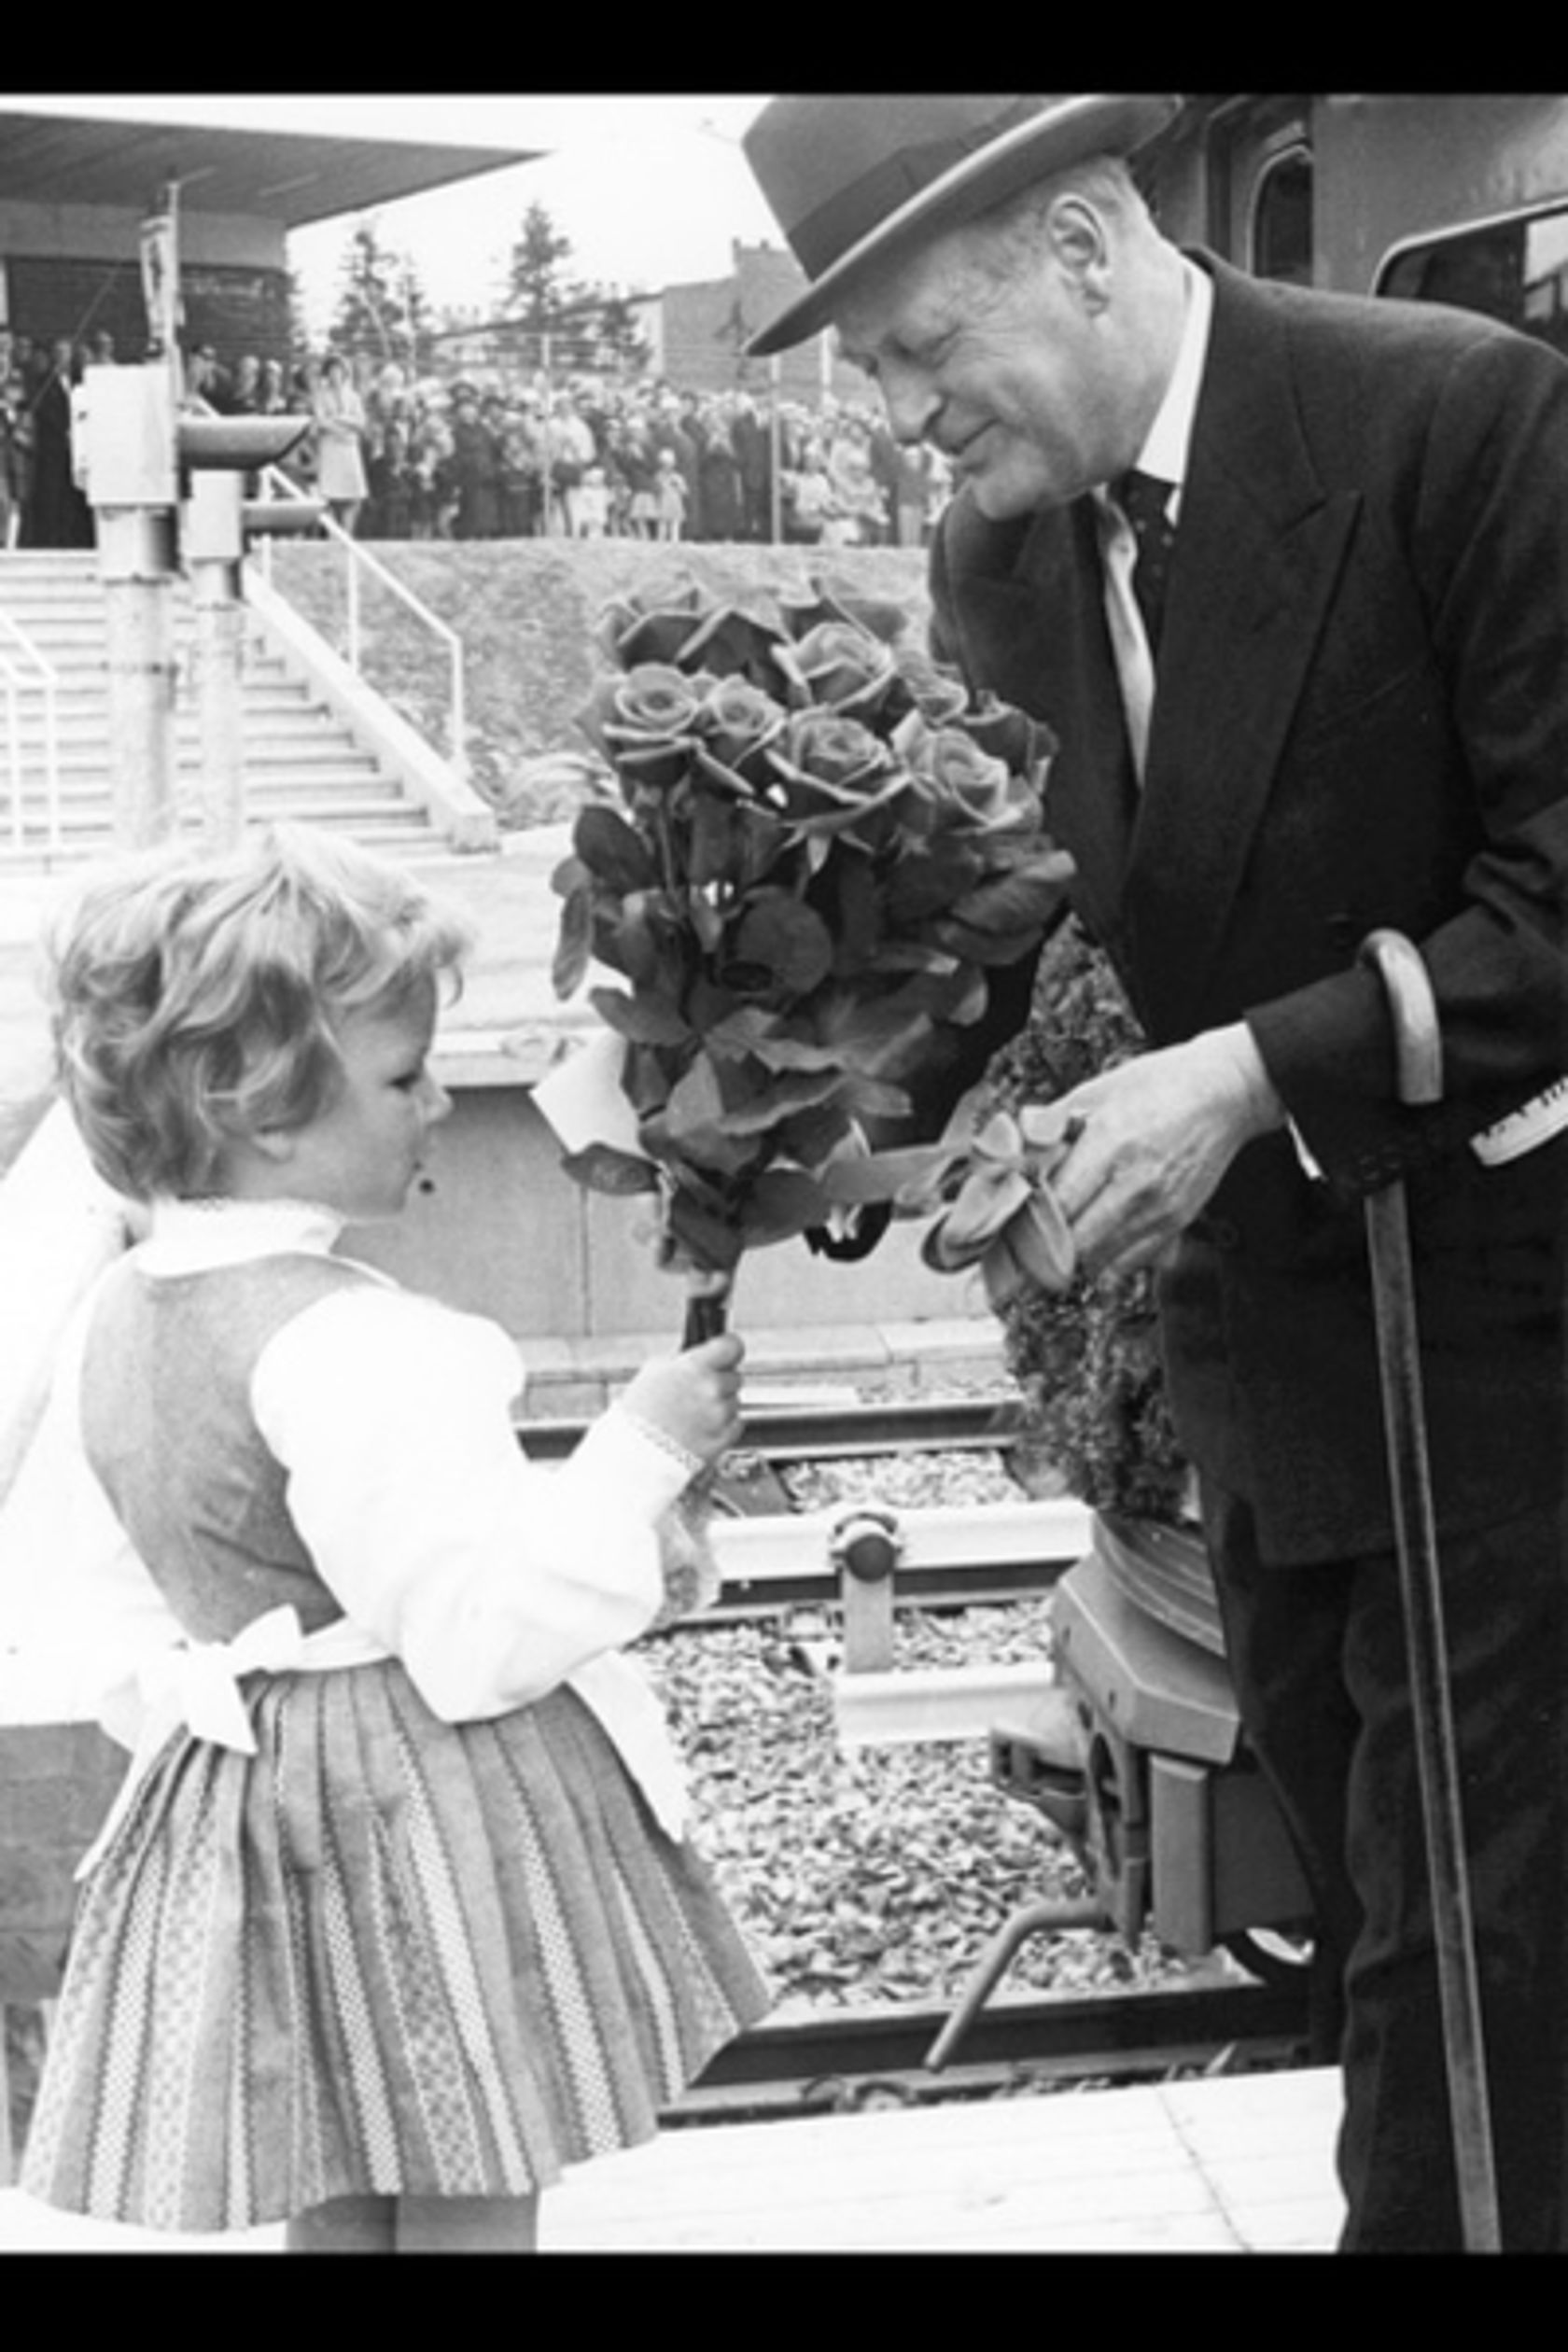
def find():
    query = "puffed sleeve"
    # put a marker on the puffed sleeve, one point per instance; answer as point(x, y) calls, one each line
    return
point(491, 1576)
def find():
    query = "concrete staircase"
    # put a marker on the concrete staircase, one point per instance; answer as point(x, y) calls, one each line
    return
point(316, 739)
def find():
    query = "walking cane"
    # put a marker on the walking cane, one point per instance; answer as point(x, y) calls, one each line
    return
point(1419, 1050)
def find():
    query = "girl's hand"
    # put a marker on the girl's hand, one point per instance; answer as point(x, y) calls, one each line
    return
point(693, 1397)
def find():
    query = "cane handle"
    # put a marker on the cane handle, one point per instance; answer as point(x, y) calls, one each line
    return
point(1418, 1041)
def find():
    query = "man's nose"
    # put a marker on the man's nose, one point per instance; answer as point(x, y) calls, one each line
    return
point(912, 403)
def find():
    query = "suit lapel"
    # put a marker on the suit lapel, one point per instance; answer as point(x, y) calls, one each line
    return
point(1041, 620)
point(1258, 552)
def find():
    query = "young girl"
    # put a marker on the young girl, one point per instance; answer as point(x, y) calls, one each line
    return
point(395, 1917)
point(670, 497)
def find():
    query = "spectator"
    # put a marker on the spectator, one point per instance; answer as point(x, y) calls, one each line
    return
point(809, 499)
point(207, 380)
point(339, 415)
point(521, 470)
point(673, 427)
point(473, 469)
point(246, 398)
point(271, 397)
point(389, 472)
point(719, 474)
point(572, 450)
point(56, 514)
point(855, 515)
point(670, 497)
point(754, 447)
point(635, 455)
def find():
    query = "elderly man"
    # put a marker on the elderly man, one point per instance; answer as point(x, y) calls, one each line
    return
point(1349, 712)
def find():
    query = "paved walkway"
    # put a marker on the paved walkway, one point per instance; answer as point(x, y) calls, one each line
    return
point(1238, 2164)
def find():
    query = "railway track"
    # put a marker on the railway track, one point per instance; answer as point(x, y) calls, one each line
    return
point(773, 1556)
point(855, 2058)
point(778, 1559)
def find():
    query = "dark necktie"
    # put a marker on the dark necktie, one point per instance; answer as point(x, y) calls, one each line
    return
point(1145, 501)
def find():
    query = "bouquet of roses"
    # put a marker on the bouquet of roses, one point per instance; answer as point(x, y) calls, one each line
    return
point(806, 848)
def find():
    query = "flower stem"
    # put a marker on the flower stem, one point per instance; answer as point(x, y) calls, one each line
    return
point(705, 1316)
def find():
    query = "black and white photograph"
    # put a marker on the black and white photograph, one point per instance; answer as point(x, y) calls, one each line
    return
point(784, 1174)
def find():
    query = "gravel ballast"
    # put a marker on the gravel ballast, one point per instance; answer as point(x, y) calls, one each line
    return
point(876, 1874)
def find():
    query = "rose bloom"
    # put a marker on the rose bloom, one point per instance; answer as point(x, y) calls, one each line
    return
point(940, 694)
point(823, 747)
point(740, 722)
point(838, 779)
point(651, 624)
point(1010, 734)
point(964, 788)
point(654, 699)
point(844, 667)
point(644, 723)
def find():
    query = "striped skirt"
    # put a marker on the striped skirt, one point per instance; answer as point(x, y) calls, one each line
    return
point(384, 1955)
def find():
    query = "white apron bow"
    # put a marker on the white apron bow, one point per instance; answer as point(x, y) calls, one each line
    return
point(195, 1688)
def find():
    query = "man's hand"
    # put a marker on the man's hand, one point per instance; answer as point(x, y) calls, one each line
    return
point(1144, 1145)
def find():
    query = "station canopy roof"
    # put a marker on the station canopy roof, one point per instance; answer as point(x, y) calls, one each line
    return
point(292, 177)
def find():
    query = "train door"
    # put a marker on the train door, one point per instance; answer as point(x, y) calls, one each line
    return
point(1237, 176)
point(1435, 198)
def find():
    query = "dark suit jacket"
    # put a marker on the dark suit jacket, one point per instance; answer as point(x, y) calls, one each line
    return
point(1362, 719)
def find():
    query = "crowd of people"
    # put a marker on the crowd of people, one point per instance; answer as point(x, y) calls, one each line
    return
point(507, 454)
point(521, 456)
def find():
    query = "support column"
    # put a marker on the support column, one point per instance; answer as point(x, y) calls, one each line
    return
point(212, 539)
point(219, 628)
point(137, 569)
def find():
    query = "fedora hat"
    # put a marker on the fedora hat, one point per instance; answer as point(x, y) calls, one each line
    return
point(850, 181)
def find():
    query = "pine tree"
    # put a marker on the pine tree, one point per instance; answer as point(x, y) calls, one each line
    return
point(382, 310)
point(535, 293)
point(586, 324)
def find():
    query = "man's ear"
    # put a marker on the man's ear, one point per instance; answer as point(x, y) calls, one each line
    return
point(1077, 237)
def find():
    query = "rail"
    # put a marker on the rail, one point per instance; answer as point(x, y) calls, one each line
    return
point(26, 671)
point(360, 564)
point(897, 2053)
point(772, 1556)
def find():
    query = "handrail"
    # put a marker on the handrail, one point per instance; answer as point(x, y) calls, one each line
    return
point(48, 683)
point(360, 561)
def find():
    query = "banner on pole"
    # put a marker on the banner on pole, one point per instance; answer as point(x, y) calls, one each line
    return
point(160, 282)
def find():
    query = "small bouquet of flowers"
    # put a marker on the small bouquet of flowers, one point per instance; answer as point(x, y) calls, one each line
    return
point(806, 848)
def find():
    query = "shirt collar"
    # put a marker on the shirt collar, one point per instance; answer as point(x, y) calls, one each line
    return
point(190, 1237)
point(1164, 452)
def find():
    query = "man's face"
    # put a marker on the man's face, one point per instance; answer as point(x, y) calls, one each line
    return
point(1010, 372)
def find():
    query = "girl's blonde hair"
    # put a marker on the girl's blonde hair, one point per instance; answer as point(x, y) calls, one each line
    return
point(194, 998)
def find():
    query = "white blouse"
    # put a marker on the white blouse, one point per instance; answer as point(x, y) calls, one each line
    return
point(492, 1577)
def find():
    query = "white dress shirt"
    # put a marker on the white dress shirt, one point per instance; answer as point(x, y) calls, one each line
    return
point(492, 1577)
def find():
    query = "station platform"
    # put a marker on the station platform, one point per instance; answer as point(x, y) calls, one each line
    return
point(1226, 2164)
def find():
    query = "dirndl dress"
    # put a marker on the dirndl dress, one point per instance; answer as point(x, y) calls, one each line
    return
point(385, 1954)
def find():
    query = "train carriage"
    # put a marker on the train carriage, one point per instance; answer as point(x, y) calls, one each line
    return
point(1461, 198)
